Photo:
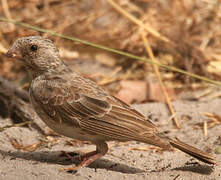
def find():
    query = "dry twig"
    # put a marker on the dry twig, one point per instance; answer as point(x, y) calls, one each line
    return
point(148, 28)
point(7, 14)
point(156, 70)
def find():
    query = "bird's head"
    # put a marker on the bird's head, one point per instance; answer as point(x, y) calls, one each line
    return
point(37, 53)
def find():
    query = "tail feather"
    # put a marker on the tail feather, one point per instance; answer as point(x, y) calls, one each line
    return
point(194, 152)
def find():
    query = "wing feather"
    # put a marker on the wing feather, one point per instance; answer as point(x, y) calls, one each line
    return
point(92, 109)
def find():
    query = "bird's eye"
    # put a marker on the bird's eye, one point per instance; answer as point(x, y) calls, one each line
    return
point(34, 47)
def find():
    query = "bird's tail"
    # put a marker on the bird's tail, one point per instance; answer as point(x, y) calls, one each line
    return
point(192, 151)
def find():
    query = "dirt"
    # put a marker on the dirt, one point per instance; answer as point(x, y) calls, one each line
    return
point(122, 161)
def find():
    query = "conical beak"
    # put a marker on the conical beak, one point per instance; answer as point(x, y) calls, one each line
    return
point(14, 53)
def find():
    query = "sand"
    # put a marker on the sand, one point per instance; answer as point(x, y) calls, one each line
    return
point(122, 161)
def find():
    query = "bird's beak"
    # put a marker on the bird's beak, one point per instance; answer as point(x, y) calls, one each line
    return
point(14, 53)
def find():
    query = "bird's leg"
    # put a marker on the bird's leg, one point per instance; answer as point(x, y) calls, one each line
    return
point(90, 157)
point(78, 157)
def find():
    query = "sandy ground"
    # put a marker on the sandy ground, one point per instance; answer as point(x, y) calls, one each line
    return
point(121, 162)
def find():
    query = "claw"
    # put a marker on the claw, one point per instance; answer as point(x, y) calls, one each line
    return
point(71, 157)
point(87, 159)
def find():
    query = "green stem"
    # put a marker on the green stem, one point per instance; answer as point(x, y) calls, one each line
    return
point(110, 50)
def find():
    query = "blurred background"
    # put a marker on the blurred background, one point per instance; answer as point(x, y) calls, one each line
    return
point(194, 27)
point(187, 36)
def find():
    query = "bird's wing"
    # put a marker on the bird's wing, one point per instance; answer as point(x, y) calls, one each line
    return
point(80, 102)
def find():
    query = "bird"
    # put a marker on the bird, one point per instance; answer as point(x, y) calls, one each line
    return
point(76, 107)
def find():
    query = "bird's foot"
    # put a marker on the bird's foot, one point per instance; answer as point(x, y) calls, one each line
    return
point(87, 159)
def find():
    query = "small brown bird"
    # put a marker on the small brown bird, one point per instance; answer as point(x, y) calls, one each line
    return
point(78, 108)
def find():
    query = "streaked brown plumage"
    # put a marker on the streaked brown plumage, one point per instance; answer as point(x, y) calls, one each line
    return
point(78, 108)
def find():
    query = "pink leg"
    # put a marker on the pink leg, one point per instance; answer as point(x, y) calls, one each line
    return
point(84, 163)
point(78, 157)
point(89, 158)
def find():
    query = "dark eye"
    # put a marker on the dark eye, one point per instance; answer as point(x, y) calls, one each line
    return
point(34, 47)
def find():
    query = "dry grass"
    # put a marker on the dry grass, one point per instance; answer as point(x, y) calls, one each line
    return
point(193, 27)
